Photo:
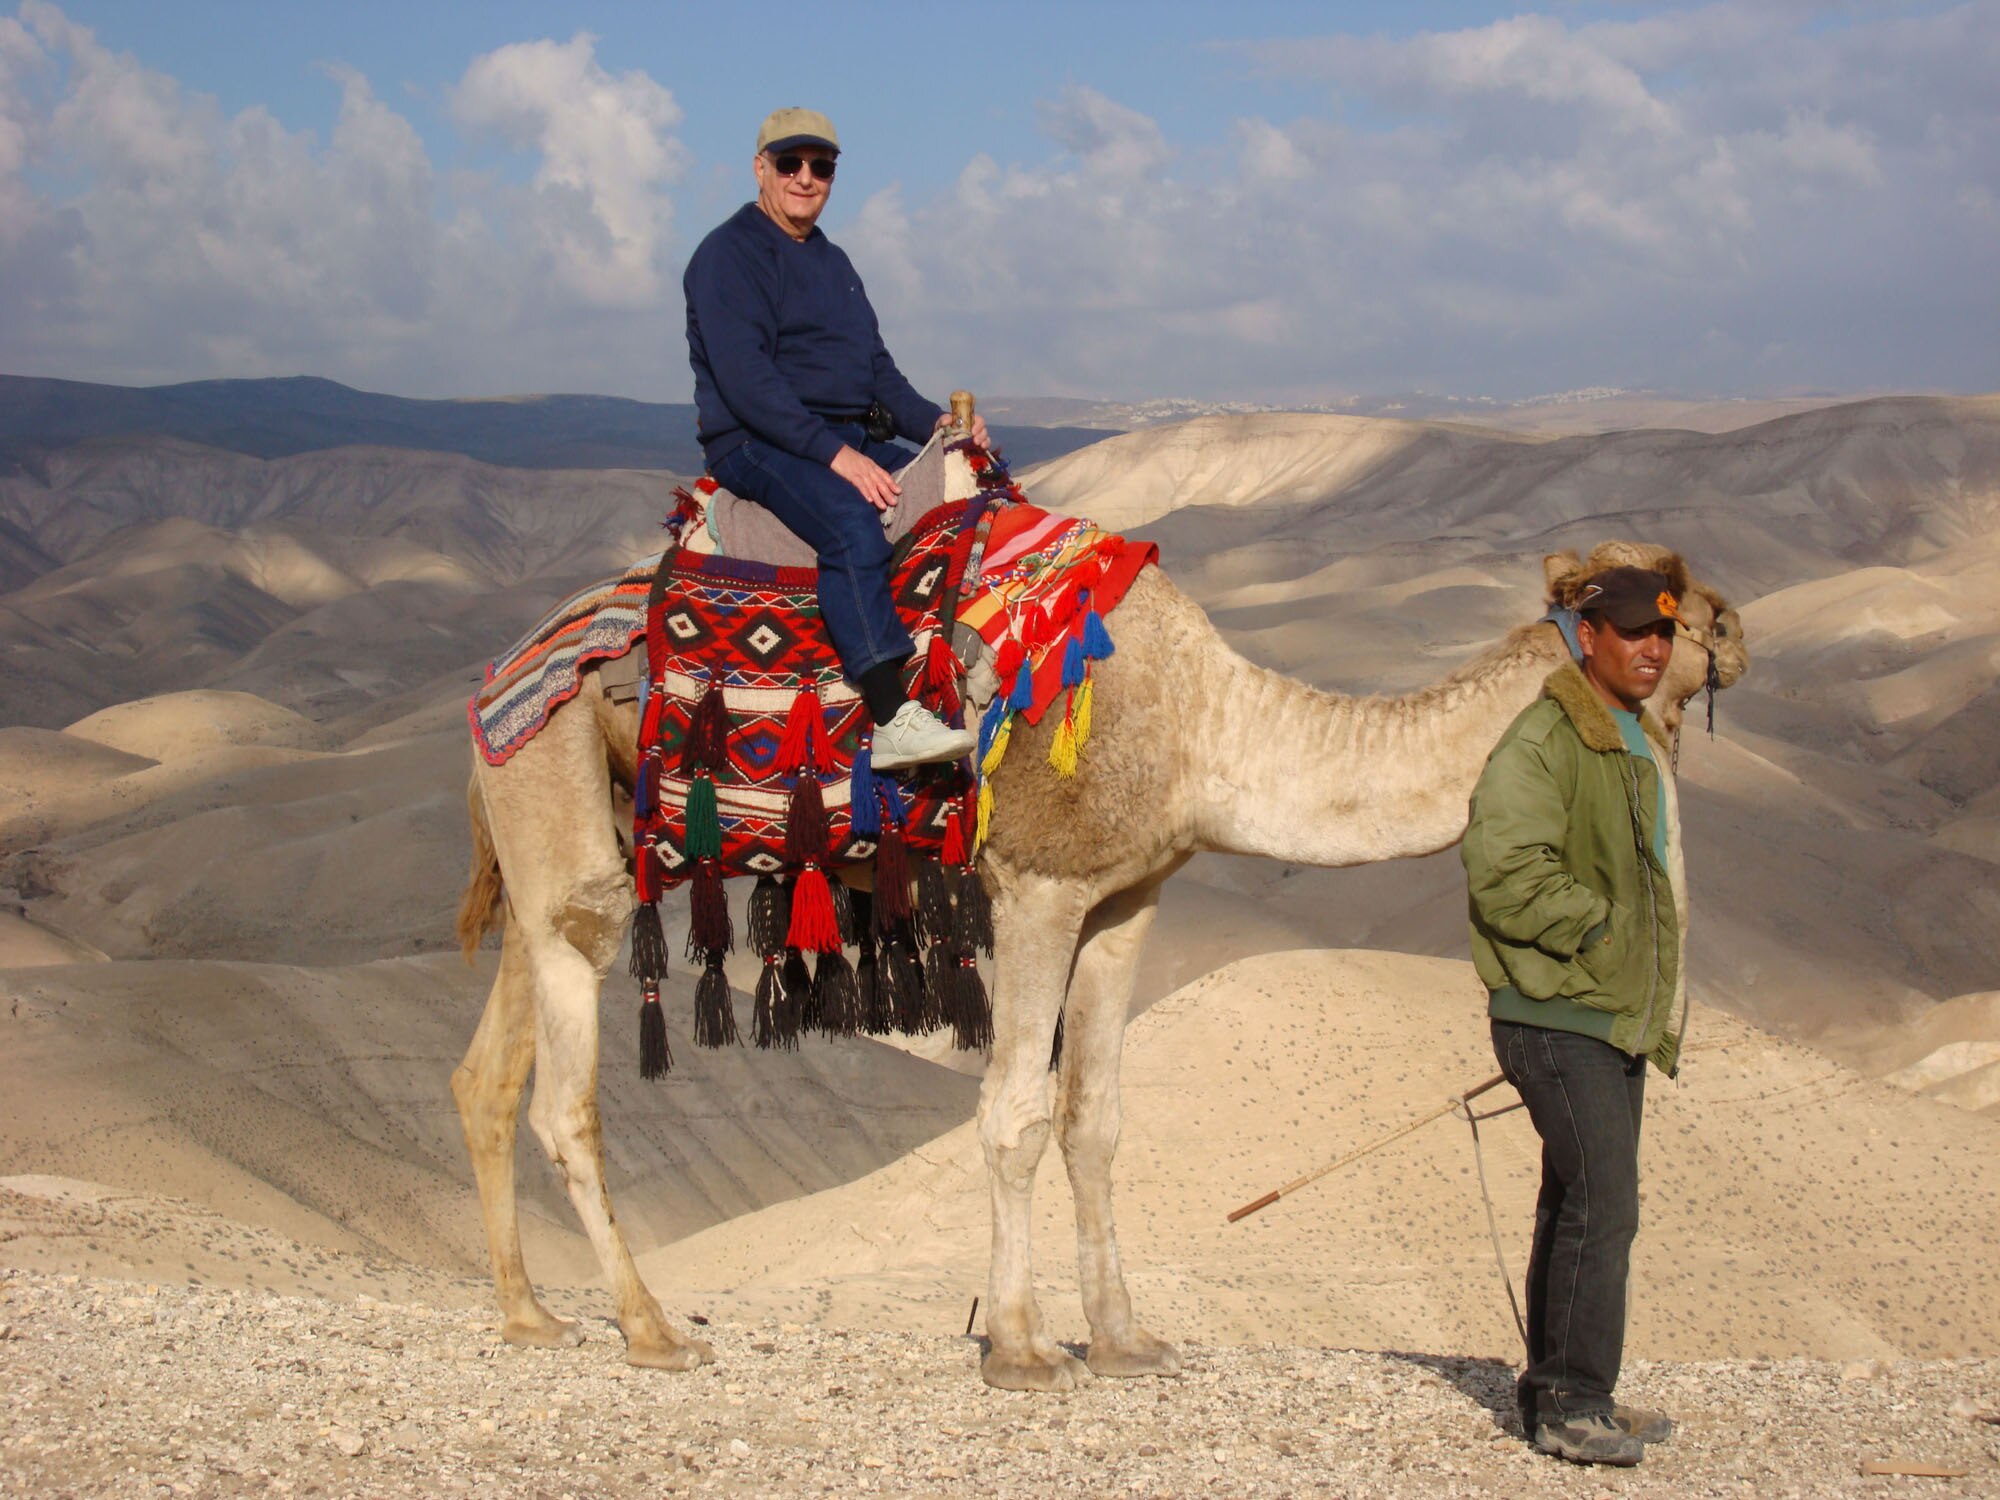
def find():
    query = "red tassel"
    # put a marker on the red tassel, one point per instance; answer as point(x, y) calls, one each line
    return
point(1008, 664)
point(940, 665)
point(953, 853)
point(647, 875)
point(649, 726)
point(815, 928)
point(803, 725)
point(805, 823)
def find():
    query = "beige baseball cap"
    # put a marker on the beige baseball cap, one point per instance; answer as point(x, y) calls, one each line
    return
point(791, 127)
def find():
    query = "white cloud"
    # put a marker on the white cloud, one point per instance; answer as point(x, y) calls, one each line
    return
point(1519, 206)
point(606, 153)
point(202, 244)
point(1733, 196)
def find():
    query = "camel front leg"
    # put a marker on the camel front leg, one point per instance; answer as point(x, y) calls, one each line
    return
point(564, 1114)
point(1087, 1123)
point(1035, 926)
point(487, 1086)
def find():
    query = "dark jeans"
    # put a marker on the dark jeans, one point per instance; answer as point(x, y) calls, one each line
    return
point(829, 515)
point(1586, 1098)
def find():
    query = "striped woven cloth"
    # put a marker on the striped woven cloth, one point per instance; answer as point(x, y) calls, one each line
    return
point(1040, 576)
point(544, 668)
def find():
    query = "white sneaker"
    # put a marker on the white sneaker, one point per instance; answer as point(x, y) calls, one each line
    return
point(917, 737)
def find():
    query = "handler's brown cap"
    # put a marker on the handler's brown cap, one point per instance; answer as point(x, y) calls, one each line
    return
point(1630, 598)
point(789, 128)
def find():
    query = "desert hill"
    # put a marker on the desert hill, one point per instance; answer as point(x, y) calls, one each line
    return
point(233, 761)
point(1891, 480)
point(315, 1102)
point(276, 418)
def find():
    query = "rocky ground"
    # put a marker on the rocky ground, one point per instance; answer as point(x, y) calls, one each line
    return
point(147, 1389)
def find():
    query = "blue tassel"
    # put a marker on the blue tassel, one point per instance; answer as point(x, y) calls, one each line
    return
point(643, 794)
point(1096, 639)
point(996, 715)
point(898, 809)
point(865, 814)
point(1072, 672)
point(1023, 695)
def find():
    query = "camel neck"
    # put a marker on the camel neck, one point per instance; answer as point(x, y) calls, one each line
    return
point(1331, 779)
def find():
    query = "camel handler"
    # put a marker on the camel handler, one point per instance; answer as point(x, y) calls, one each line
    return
point(1573, 865)
point(796, 400)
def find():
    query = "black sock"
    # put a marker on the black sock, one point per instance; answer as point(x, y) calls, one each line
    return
point(882, 690)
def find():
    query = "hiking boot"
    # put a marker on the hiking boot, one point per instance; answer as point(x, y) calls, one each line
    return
point(1594, 1439)
point(917, 737)
point(1644, 1424)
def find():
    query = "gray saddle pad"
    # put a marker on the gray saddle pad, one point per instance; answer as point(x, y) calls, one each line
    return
point(743, 528)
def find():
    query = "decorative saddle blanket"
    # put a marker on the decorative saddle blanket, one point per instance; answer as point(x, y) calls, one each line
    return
point(754, 754)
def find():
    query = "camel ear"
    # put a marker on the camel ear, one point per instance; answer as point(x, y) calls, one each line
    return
point(1558, 569)
point(1675, 567)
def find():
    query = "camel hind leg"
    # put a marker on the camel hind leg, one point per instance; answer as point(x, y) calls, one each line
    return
point(1087, 1123)
point(487, 1086)
point(569, 901)
point(569, 972)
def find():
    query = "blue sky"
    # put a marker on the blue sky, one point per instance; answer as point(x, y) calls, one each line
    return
point(1259, 201)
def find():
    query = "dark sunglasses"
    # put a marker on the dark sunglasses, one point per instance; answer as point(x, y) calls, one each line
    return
point(788, 165)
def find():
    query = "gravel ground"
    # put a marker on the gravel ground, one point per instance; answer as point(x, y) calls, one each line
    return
point(121, 1388)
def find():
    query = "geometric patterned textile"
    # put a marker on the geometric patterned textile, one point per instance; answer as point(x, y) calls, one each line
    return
point(543, 669)
point(751, 633)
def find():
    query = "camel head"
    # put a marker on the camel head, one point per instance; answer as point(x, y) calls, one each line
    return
point(1707, 624)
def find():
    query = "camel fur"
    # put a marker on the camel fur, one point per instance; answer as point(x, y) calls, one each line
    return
point(1193, 748)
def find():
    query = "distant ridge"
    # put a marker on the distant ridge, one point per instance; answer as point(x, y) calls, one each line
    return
point(280, 417)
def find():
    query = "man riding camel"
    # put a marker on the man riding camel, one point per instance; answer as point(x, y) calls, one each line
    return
point(796, 400)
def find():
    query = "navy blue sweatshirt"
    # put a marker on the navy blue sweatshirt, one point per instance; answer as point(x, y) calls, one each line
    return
point(781, 337)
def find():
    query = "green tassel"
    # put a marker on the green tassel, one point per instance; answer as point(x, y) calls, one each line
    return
point(704, 827)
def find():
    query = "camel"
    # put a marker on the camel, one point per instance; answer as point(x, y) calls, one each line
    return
point(1194, 748)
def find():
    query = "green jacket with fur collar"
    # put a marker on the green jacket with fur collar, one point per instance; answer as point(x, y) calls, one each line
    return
point(1560, 847)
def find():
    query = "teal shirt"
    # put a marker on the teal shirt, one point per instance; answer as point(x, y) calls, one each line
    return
point(1639, 745)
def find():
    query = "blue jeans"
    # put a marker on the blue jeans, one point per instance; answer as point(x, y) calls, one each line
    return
point(829, 515)
point(1586, 1098)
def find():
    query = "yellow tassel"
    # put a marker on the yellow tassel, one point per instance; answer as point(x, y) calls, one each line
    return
point(997, 749)
point(1062, 749)
point(985, 814)
point(1082, 715)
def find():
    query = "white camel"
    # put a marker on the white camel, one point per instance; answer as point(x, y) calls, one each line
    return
point(1193, 748)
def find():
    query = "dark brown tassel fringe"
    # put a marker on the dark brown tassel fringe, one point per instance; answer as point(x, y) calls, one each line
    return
point(706, 747)
point(974, 913)
point(874, 996)
point(655, 1057)
point(791, 1015)
point(770, 914)
point(764, 1019)
point(649, 946)
point(843, 911)
point(892, 880)
point(836, 995)
point(972, 1017)
point(903, 981)
point(709, 928)
point(933, 909)
point(939, 963)
point(714, 1013)
point(805, 823)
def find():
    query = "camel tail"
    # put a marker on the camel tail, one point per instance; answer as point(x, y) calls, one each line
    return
point(479, 909)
